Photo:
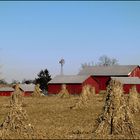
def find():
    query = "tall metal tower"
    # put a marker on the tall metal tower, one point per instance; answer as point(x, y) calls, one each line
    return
point(62, 62)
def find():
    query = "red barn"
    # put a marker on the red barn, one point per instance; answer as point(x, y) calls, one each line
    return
point(6, 91)
point(27, 89)
point(102, 74)
point(128, 83)
point(74, 83)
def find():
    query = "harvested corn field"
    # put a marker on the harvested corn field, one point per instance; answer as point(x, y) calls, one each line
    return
point(52, 116)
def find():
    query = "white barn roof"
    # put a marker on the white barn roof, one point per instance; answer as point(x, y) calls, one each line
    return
point(116, 70)
point(127, 80)
point(6, 89)
point(27, 87)
point(69, 79)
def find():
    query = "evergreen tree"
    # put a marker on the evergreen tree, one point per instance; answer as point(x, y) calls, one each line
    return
point(43, 78)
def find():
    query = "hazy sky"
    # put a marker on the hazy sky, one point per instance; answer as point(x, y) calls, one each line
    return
point(36, 35)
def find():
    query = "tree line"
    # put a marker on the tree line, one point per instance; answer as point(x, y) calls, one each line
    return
point(104, 60)
point(43, 77)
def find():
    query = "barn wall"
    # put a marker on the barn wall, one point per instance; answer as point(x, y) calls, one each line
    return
point(54, 88)
point(93, 83)
point(72, 88)
point(5, 93)
point(102, 81)
point(138, 88)
point(127, 87)
point(135, 72)
point(27, 93)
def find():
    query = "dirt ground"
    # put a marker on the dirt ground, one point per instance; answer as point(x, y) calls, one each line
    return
point(52, 115)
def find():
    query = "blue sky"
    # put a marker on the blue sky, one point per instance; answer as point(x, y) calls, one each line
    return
point(36, 35)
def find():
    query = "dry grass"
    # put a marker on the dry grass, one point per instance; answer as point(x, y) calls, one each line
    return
point(53, 116)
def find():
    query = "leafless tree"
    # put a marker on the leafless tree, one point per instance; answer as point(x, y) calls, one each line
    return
point(107, 61)
point(104, 60)
point(84, 65)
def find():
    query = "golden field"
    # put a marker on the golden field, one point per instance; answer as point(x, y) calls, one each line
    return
point(55, 119)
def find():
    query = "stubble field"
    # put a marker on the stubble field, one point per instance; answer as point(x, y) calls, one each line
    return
point(55, 119)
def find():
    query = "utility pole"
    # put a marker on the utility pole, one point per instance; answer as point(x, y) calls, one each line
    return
point(62, 62)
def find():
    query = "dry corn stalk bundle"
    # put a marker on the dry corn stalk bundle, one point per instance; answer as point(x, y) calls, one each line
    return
point(64, 92)
point(16, 97)
point(37, 91)
point(87, 93)
point(92, 91)
point(16, 121)
point(115, 118)
point(133, 101)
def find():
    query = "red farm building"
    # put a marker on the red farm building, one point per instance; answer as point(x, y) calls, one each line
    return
point(6, 91)
point(128, 83)
point(102, 74)
point(27, 89)
point(74, 83)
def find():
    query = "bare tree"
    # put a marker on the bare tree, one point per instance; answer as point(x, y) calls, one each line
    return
point(15, 82)
point(2, 81)
point(104, 60)
point(107, 61)
point(84, 65)
point(115, 61)
point(29, 81)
